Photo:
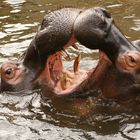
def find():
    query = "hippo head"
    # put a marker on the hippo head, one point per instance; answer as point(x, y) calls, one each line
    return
point(16, 78)
point(122, 80)
point(93, 28)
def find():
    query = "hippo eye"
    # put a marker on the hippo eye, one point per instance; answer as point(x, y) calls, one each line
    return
point(9, 73)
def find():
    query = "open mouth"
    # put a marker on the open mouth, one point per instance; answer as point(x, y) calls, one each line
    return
point(62, 80)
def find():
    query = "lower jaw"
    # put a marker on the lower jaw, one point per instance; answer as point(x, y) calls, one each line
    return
point(67, 87)
point(61, 81)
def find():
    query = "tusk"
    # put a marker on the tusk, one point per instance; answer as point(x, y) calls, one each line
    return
point(76, 64)
point(75, 46)
point(65, 55)
point(63, 80)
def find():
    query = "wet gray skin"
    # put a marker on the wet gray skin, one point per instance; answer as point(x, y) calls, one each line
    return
point(93, 28)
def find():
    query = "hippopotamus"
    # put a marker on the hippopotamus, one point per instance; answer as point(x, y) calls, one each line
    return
point(117, 74)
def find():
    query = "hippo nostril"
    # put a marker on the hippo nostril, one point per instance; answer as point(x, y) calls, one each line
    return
point(132, 59)
point(9, 73)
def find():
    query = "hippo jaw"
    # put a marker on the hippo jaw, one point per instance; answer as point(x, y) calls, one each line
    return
point(61, 80)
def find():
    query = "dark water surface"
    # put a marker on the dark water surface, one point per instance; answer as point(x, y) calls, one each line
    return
point(32, 118)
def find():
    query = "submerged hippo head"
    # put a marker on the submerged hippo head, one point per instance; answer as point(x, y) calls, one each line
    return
point(60, 29)
point(15, 77)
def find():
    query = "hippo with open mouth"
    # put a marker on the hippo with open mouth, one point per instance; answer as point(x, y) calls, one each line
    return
point(117, 73)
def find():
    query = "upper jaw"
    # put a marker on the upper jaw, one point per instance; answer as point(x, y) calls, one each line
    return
point(116, 44)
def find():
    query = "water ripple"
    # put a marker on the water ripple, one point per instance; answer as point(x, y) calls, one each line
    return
point(137, 25)
point(10, 28)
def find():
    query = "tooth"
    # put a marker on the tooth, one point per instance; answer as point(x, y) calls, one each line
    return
point(74, 46)
point(65, 55)
point(63, 80)
point(76, 64)
point(70, 75)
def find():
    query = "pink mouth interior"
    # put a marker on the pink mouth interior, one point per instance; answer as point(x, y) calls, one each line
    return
point(61, 80)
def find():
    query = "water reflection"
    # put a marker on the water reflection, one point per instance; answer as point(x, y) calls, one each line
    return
point(15, 3)
point(31, 117)
point(137, 25)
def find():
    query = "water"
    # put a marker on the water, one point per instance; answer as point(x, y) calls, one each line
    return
point(33, 117)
